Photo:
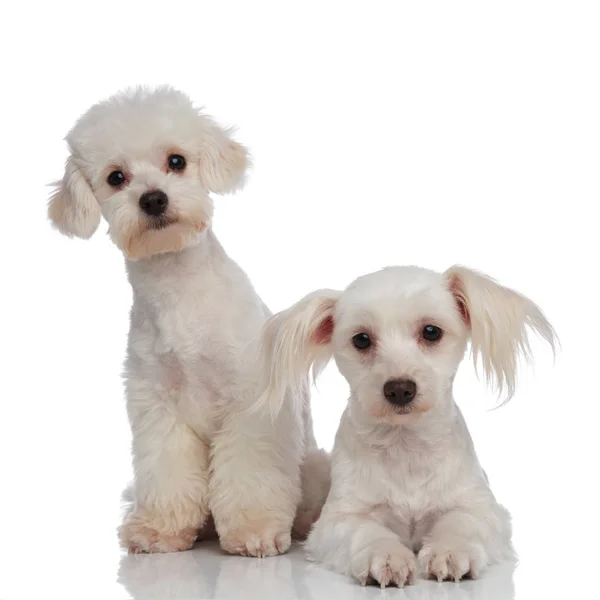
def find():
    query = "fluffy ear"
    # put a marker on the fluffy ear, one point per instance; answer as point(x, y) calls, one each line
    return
point(72, 208)
point(499, 319)
point(291, 342)
point(223, 161)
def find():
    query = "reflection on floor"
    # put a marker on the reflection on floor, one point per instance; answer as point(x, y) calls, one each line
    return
point(205, 572)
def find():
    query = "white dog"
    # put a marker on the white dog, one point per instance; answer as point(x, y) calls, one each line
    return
point(146, 161)
point(405, 476)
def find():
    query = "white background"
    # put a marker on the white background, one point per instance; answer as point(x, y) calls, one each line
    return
point(382, 133)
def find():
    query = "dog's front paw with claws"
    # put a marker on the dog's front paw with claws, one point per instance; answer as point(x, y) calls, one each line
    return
point(387, 563)
point(452, 561)
point(259, 539)
point(139, 538)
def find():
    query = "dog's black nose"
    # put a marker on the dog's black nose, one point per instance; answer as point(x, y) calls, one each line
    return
point(154, 203)
point(400, 391)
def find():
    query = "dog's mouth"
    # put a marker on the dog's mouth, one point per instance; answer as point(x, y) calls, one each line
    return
point(161, 222)
point(160, 235)
point(388, 412)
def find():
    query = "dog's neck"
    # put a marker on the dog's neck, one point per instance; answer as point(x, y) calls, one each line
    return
point(158, 279)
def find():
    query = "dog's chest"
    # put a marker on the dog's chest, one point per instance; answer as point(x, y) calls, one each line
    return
point(193, 373)
point(191, 366)
point(412, 487)
point(184, 333)
point(194, 386)
point(187, 334)
point(413, 483)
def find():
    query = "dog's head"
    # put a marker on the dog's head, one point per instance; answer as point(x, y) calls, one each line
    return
point(146, 160)
point(398, 336)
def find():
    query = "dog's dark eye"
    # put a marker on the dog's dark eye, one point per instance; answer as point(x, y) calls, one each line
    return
point(176, 162)
point(361, 341)
point(116, 178)
point(431, 333)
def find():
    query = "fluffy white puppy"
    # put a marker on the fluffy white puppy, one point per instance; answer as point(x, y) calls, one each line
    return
point(146, 160)
point(407, 489)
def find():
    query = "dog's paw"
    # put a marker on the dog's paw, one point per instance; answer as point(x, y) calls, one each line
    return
point(387, 564)
point(139, 538)
point(258, 541)
point(452, 561)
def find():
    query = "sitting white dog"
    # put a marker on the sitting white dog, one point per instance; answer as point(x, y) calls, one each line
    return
point(146, 160)
point(407, 489)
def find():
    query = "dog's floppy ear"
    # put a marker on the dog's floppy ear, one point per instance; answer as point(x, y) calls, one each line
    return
point(223, 161)
point(292, 341)
point(72, 208)
point(498, 319)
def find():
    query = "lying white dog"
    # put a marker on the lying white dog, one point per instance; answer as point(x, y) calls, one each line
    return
point(407, 487)
point(146, 160)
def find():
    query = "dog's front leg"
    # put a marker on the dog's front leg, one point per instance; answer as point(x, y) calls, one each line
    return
point(255, 481)
point(361, 546)
point(463, 541)
point(171, 476)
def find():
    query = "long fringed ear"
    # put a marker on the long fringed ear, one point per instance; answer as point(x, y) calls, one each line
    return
point(223, 161)
point(291, 342)
point(498, 319)
point(72, 208)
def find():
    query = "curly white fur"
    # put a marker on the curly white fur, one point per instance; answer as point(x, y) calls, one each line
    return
point(190, 370)
point(408, 494)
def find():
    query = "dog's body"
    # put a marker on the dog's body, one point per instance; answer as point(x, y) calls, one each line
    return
point(407, 492)
point(190, 377)
point(411, 490)
point(146, 160)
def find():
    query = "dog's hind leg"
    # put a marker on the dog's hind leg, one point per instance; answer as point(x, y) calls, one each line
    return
point(315, 477)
